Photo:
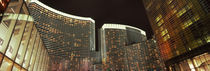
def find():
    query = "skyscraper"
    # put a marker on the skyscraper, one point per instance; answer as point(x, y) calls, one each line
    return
point(67, 37)
point(153, 57)
point(181, 28)
point(143, 56)
point(114, 37)
point(21, 47)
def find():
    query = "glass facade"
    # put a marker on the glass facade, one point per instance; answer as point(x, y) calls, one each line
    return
point(153, 57)
point(143, 56)
point(67, 38)
point(181, 27)
point(19, 40)
point(197, 63)
point(126, 48)
point(36, 37)
point(135, 56)
point(113, 39)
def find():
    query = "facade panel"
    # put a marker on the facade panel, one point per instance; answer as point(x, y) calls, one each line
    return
point(67, 38)
point(19, 39)
point(126, 48)
point(180, 27)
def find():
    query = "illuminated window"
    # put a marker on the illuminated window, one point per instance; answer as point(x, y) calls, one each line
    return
point(196, 18)
point(189, 6)
point(174, 11)
point(164, 32)
point(169, 1)
point(172, 6)
point(186, 24)
point(166, 37)
point(184, 10)
point(181, 12)
point(158, 18)
point(160, 22)
point(208, 39)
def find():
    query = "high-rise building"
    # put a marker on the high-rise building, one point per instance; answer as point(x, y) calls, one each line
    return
point(36, 37)
point(67, 37)
point(153, 57)
point(21, 48)
point(135, 56)
point(143, 56)
point(181, 28)
point(114, 37)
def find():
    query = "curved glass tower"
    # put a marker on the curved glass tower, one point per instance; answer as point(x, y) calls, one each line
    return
point(126, 48)
point(68, 38)
point(114, 38)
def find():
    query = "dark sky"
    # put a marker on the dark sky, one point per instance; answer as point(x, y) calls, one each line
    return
point(129, 12)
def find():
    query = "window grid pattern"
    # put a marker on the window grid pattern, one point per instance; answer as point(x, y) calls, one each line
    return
point(66, 39)
point(186, 22)
point(16, 37)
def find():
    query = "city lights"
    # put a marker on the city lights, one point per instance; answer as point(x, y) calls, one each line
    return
point(37, 37)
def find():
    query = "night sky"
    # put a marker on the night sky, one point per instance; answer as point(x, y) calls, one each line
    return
point(129, 12)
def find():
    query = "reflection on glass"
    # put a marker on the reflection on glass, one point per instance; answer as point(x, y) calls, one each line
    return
point(7, 24)
point(41, 60)
point(20, 42)
point(16, 67)
point(1, 42)
point(197, 63)
point(23, 69)
point(15, 40)
point(6, 64)
point(30, 48)
point(24, 43)
point(1, 56)
point(38, 58)
point(36, 47)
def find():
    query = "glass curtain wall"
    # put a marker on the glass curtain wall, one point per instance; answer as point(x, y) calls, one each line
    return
point(20, 43)
point(198, 63)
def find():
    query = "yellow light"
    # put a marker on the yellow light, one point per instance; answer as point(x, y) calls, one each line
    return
point(166, 37)
point(169, 2)
point(186, 24)
point(172, 6)
point(189, 6)
point(208, 39)
point(181, 12)
point(161, 28)
point(196, 18)
point(174, 11)
point(158, 18)
point(160, 22)
point(164, 32)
